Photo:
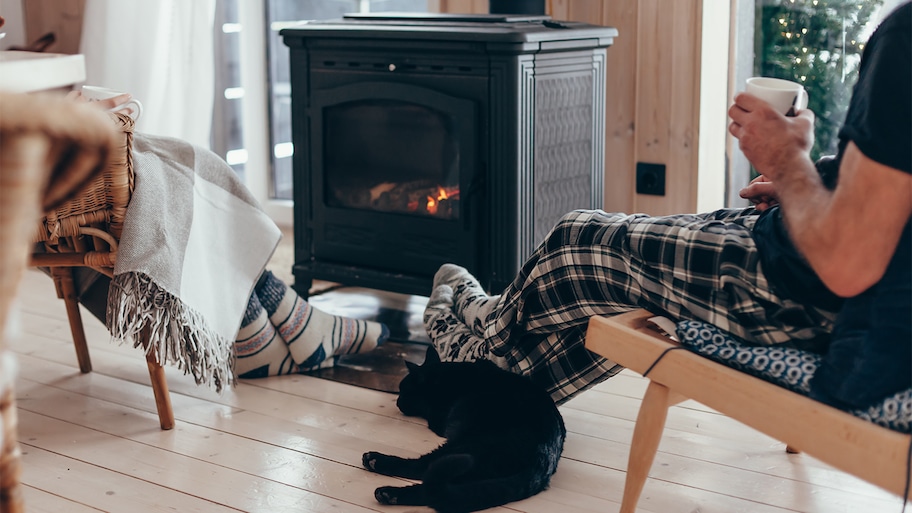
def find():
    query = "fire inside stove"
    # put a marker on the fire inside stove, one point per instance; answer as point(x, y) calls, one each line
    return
point(392, 156)
point(420, 197)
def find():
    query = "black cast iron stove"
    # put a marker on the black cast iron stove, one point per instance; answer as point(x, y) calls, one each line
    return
point(422, 139)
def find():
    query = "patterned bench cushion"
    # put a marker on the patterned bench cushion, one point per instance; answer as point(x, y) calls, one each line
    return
point(787, 367)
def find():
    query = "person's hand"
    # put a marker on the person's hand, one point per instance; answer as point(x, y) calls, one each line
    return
point(109, 104)
point(773, 143)
point(761, 192)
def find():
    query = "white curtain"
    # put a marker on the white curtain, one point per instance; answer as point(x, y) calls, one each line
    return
point(162, 53)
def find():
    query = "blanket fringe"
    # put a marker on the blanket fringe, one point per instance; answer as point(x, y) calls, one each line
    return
point(178, 335)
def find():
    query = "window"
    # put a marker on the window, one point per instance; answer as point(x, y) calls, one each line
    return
point(817, 43)
point(252, 112)
point(227, 131)
point(278, 14)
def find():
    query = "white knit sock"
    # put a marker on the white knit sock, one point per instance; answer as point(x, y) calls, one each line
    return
point(453, 339)
point(471, 304)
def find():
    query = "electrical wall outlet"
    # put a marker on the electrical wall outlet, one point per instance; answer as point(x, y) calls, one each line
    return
point(650, 179)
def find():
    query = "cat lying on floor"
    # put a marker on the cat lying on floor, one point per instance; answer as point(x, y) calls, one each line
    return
point(504, 437)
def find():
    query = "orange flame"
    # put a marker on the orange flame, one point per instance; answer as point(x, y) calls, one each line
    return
point(432, 202)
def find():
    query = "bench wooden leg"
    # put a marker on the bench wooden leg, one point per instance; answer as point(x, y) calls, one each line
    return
point(646, 435)
point(66, 289)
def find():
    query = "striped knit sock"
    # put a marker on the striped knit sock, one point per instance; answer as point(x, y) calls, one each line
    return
point(259, 349)
point(471, 305)
point(315, 337)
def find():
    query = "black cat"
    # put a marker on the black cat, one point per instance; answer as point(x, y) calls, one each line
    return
point(504, 437)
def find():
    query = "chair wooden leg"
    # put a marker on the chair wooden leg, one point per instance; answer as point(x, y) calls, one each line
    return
point(646, 435)
point(159, 389)
point(66, 289)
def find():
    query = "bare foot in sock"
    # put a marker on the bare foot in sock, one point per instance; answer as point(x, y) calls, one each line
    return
point(315, 337)
point(453, 339)
point(471, 304)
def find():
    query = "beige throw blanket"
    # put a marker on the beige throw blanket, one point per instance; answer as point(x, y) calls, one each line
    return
point(194, 243)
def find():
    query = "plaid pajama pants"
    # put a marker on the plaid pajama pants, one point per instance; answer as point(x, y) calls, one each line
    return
point(702, 267)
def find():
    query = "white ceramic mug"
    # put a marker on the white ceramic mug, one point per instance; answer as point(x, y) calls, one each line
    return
point(94, 93)
point(785, 96)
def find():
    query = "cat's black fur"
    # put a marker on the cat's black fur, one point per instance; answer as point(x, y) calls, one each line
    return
point(504, 437)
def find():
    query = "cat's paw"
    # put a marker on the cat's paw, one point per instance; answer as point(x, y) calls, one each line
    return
point(390, 465)
point(369, 460)
point(387, 495)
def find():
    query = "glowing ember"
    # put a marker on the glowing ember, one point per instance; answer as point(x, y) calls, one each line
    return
point(442, 194)
point(417, 197)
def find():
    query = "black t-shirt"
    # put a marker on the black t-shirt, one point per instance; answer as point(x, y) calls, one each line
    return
point(870, 354)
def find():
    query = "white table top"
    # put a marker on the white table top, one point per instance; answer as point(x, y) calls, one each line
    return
point(24, 72)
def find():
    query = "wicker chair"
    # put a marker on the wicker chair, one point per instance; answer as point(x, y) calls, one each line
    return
point(85, 232)
point(10, 456)
point(49, 149)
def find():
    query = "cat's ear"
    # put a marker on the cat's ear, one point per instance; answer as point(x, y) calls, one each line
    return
point(410, 366)
point(431, 357)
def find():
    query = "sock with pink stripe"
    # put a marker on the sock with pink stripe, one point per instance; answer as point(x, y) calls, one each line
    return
point(259, 350)
point(314, 337)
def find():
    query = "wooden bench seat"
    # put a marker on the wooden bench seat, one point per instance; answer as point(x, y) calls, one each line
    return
point(868, 451)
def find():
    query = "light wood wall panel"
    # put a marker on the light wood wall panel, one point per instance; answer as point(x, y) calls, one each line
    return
point(653, 96)
point(652, 107)
point(62, 17)
point(459, 6)
point(576, 10)
point(621, 105)
point(667, 100)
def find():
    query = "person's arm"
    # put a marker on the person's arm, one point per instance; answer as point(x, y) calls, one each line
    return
point(847, 235)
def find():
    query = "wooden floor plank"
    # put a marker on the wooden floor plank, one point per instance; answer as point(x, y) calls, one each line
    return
point(101, 488)
point(294, 443)
point(349, 447)
point(286, 457)
point(767, 458)
point(40, 501)
point(255, 459)
point(181, 474)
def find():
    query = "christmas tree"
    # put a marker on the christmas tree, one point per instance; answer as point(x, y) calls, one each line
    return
point(817, 43)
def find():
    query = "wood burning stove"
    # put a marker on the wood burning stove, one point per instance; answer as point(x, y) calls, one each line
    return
point(421, 139)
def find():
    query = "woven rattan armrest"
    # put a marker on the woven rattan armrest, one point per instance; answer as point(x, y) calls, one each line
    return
point(106, 197)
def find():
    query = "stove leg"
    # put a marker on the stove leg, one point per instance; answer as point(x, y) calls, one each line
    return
point(302, 283)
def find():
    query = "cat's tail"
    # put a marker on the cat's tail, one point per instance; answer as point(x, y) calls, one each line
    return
point(447, 492)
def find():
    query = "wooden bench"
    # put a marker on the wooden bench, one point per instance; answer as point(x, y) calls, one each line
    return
point(861, 448)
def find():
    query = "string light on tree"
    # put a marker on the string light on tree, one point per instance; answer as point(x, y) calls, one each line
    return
point(818, 42)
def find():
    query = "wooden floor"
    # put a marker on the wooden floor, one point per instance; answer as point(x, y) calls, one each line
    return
point(92, 443)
